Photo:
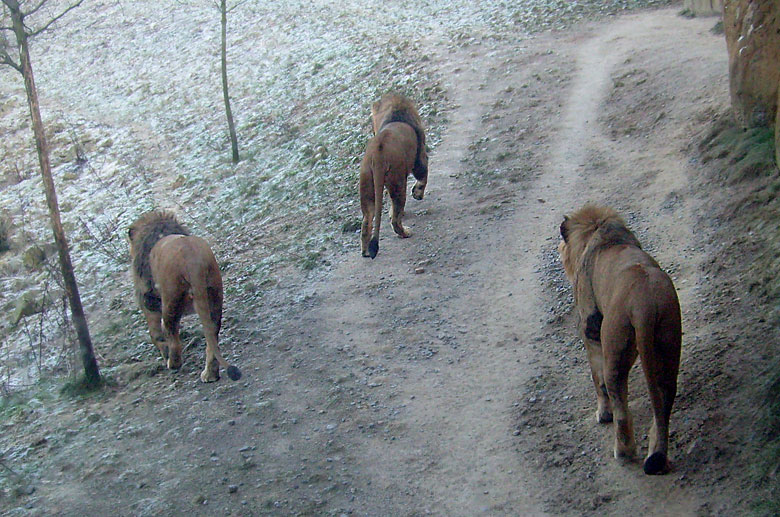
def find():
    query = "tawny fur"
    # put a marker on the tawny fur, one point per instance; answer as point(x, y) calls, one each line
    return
point(397, 150)
point(396, 108)
point(627, 306)
point(175, 274)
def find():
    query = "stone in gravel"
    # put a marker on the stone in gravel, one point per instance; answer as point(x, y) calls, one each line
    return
point(233, 489)
point(25, 490)
point(419, 270)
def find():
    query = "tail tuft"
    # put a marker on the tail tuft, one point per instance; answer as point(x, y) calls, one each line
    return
point(234, 373)
point(656, 464)
point(373, 247)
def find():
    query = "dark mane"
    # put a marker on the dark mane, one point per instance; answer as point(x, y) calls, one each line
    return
point(144, 234)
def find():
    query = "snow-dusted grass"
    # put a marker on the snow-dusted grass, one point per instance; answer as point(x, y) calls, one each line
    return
point(132, 100)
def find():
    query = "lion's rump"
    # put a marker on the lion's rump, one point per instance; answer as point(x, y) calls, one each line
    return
point(394, 108)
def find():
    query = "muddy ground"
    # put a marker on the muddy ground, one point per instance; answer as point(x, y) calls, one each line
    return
point(445, 377)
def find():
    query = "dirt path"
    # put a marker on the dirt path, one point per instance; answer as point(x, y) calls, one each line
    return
point(447, 351)
point(614, 155)
point(445, 376)
point(449, 445)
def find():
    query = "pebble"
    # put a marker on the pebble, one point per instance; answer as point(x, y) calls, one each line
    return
point(233, 489)
point(419, 270)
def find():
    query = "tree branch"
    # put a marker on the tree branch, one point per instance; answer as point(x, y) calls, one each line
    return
point(5, 59)
point(10, 62)
point(35, 9)
point(13, 5)
point(49, 24)
point(237, 4)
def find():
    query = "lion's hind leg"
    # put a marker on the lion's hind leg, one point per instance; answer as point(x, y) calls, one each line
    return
point(208, 306)
point(154, 322)
point(418, 191)
point(596, 360)
point(619, 356)
point(420, 169)
point(367, 207)
point(171, 317)
point(398, 198)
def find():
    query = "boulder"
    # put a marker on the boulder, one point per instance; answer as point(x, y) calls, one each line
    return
point(752, 29)
point(28, 304)
point(34, 258)
point(32, 302)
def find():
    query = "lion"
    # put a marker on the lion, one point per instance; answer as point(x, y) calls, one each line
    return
point(627, 306)
point(175, 274)
point(397, 149)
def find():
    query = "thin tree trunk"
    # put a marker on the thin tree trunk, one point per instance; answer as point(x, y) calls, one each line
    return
point(231, 126)
point(91, 372)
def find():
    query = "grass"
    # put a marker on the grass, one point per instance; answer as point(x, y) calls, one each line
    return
point(80, 387)
point(767, 469)
point(301, 106)
point(746, 160)
point(5, 232)
point(16, 402)
point(687, 13)
point(750, 153)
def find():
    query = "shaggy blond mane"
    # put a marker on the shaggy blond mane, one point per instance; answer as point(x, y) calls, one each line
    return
point(589, 229)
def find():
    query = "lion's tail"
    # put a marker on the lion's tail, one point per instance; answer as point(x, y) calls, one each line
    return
point(658, 344)
point(378, 173)
point(209, 288)
point(233, 372)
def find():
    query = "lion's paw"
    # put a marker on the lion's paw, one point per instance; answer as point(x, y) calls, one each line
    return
point(603, 416)
point(208, 375)
point(418, 192)
point(625, 455)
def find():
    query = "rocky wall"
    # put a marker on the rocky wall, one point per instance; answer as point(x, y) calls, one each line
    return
point(752, 30)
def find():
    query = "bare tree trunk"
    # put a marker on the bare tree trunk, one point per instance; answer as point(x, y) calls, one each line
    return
point(91, 372)
point(231, 126)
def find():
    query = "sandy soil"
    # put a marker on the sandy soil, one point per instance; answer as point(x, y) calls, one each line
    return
point(445, 377)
